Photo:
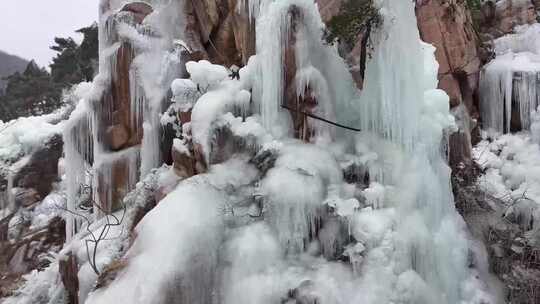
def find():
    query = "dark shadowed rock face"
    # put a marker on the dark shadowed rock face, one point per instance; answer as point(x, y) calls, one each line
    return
point(513, 260)
point(41, 170)
point(27, 252)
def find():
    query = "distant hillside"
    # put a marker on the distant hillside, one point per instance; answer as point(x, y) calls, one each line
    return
point(10, 64)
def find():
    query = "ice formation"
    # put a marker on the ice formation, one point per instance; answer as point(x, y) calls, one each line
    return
point(90, 159)
point(407, 243)
point(508, 93)
point(512, 174)
point(278, 222)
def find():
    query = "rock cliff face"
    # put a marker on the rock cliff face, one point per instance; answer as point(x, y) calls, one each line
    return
point(500, 17)
point(448, 26)
point(217, 32)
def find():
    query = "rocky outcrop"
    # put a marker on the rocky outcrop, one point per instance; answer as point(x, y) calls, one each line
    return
point(217, 31)
point(448, 26)
point(509, 13)
point(69, 269)
point(513, 260)
point(120, 122)
point(26, 251)
point(184, 162)
point(40, 170)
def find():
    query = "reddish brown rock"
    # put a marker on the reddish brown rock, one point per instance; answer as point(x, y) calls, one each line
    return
point(69, 270)
point(184, 163)
point(223, 47)
point(120, 124)
point(193, 35)
point(448, 26)
point(206, 12)
point(201, 165)
point(120, 98)
point(139, 10)
point(220, 31)
point(116, 176)
point(290, 98)
point(450, 85)
point(244, 31)
point(184, 117)
point(329, 8)
point(117, 136)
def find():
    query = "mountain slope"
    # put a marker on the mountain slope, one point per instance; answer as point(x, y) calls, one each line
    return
point(9, 64)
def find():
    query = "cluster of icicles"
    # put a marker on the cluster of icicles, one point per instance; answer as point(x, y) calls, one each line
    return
point(508, 84)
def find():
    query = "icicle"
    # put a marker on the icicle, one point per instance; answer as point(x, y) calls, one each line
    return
point(273, 30)
point(150, 157)
point(125, 165)
point(253, 7)
point(137, 100)
point(508, 84)
point(243, 102)
point(525, 39)
point(78, 153)
point(10, 192)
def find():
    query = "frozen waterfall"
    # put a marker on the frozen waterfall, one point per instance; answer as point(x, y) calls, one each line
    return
point(296, 229)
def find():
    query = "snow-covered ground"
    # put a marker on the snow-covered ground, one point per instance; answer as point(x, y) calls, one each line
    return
point(24, 135)
point(511, 164)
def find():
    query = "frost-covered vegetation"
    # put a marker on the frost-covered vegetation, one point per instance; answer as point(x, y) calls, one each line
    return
point(36, 91)
point(355, 16)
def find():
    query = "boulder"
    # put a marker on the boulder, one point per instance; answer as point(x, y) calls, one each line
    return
point(184, 162)
point(117, 136)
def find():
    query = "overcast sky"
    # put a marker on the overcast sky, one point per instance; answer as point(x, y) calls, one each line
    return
point(28, 27)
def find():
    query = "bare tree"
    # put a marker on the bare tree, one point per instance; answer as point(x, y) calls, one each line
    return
point(97, 237)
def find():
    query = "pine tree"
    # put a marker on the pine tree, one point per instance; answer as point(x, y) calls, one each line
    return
point(29, 93)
